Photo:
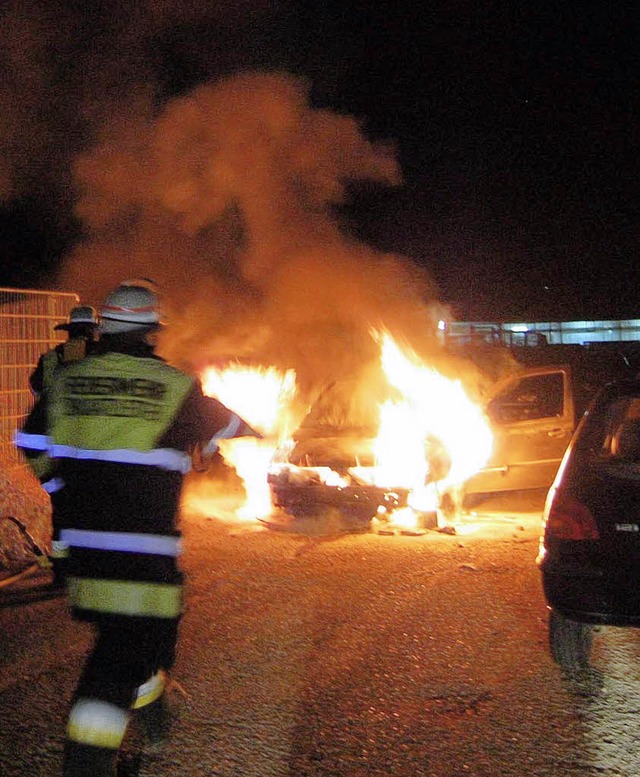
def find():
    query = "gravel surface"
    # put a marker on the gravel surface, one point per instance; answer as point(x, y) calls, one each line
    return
point(346, 656)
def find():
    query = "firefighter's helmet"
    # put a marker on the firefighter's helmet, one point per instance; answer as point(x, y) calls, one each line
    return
point(81, 314)
point(131, 307)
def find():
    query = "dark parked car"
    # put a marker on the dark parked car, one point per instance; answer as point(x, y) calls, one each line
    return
point(590, 547)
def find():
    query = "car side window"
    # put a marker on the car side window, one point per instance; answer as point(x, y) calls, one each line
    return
point(531, 398)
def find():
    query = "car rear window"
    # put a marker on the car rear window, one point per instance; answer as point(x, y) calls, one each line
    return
point(620, 430)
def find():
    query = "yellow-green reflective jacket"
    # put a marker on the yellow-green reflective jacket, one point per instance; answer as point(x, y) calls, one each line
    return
point(60, 356)
point(116, 407)
point(120, 427)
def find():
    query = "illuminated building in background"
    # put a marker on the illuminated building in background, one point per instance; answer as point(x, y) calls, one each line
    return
point(541, 333)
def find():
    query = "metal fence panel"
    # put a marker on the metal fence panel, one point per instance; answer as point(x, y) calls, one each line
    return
point(27, 320)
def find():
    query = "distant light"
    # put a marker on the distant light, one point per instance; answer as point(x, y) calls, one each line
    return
point(519, 328)
point(442, 325)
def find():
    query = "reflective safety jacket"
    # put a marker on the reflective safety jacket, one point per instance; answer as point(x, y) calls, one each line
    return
point(63, 354)
point(120, 426)
point(60, 356)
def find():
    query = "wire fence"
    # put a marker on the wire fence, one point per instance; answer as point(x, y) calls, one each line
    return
point(27, 320)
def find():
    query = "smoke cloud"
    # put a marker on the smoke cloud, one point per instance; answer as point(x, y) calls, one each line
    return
point(69, 67)
point(226, 195)
point(226, 199)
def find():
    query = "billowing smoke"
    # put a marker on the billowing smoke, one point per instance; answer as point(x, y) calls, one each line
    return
point(226, 195)
point(226, 198)
point(69, 67)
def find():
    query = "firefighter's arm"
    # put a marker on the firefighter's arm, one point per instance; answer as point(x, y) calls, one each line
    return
point(33, 442)
point(232, 426)
point(217, 422)
point(205, 450)
point(200, 424)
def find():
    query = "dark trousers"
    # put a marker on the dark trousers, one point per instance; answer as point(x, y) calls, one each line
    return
point(59, 558)
point(127, 651)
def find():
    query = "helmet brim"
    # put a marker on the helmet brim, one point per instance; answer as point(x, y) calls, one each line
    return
point(111, 326)
point(67, 327)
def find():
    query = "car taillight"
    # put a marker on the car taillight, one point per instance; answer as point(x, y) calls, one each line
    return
point(569, 519)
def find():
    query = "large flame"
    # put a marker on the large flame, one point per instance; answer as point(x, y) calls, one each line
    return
point(433, 426)
point(431, 435)
point(431, 438)
point(262, 397)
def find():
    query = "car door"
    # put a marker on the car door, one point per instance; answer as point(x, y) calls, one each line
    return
point(532, 417)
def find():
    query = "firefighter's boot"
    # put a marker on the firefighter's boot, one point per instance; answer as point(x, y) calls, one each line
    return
point(151, 710)
point(155, 721)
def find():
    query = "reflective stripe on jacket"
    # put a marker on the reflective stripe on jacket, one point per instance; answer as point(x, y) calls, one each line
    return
point(124, 597)
point(165, 458)
point(35, 447)
point(126, 542)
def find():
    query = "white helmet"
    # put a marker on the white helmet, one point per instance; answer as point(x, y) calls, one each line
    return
point(129, 308)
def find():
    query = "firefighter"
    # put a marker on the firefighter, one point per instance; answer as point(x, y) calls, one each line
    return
point(120, 425)
point(81, 328)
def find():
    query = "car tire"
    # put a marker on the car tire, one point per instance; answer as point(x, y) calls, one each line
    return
point(570, 642)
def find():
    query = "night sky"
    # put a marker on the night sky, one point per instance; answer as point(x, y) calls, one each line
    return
point(515, 125)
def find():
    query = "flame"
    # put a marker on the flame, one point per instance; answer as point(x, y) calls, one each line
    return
point(431, 438)
point(431, 435)
point(434, 421)
point(261, 397)
point(257, 394)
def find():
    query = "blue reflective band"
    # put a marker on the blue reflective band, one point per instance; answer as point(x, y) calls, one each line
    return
point(165, 458)
point(126, 542)
point(230, 429)
point(53, 485)
point(33, 442)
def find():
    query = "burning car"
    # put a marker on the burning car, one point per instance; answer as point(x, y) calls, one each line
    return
point(391, 443)
point(399, 442)
point(393, 447)
point(315, 493)
point(327, 468)
point(333, 467)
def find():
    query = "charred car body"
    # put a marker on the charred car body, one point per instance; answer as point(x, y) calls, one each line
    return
point(325, 471)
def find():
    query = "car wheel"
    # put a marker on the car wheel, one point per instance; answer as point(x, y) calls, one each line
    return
point(570, 642)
